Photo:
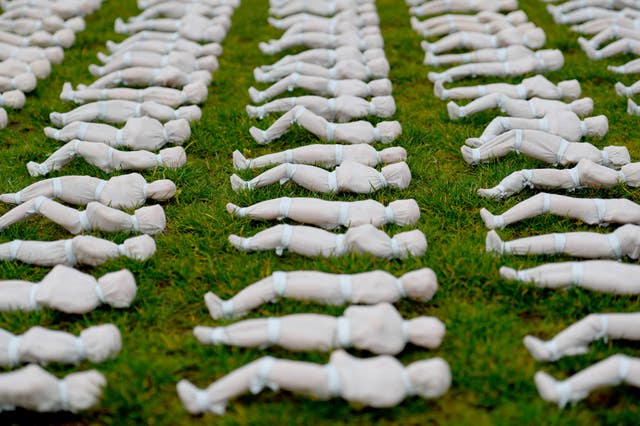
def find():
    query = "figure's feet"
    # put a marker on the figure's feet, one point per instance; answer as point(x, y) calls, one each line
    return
point(440, 91)
point(214, 305)
point(196, 401)
point(553, 391)
point(260, 76)
point(256, 112)
point(236, 210)
point(495, 193)
point(508, 274)
point(622, 90)
point(592, 53)
point(474, 142)
point(239, 161)
point(538, 349)
point(490, 220)
point(120, 26)
point(96, 70)
point(493, 243)
point(237, 184)
point(259, 135)
point(256, 95)
point(456, 112)
point(632, 107)
point(57, 119)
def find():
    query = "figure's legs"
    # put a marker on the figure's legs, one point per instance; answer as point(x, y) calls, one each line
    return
point(268, 239)
point(242, 163)
point(631, 67)
point(278, 105)
point(276, 89)
point(512, 184)
point(281, 173)
point(618, 47)
point(612, 371)
point(62, 215)
point(249, 298)
point(279, 127)
point(63, 155)
point(490, 101)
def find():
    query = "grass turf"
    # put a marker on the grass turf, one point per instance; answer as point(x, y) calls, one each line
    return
point(486, 317)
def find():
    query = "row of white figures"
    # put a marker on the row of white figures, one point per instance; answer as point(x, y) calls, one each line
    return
point(32, 38)
point(179, 71)
point(613, 28)
point(332, 62)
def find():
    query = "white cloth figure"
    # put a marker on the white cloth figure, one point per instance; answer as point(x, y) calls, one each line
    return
point(191, 94)
point(624, 241)
point(52, 23)
point(379, 329)
point(25, 82)
point(117, 111)
point(320, 8)
point(120, 192)
point(361, 15)
point(346, 69)
point(155, 43)
point(369, 288)
point(627, 91)
point(320, 40)
point(592, 211)
point(575, 339)
point(565, 124)
point(531, 108)
point(632, 107)
point(607, 276)
point(181, 60)
point(545, 147)
point(528, 35)
point(347, 177)
point(341, 109)
point(486, 22)
point(43, 346)
point(168, 76)
point(592, 13)
point(65, 10)
point(491, 54)
point(541, 61)
point(138, 133)
point(613, 371)
point(107, 158)
point(594, 26)
point(331, 214)
point(31, 53)
point(324, 155)
point(80, 250)
point(310, 241)
point(631, 67)
point(63, 38)
point(33, 388)
point(378, 382)
point(328, 57)
point(436, 7)
point(68, 290)
point(41, 68)
point(579, 4)
point(586, 174)
point(12, 99)
point(146, 4)
point(193, 27)
point(323, 87)
point(355, 132)
point(147, 220)
point(618, 47)
point(536, 86)
point(178, 9)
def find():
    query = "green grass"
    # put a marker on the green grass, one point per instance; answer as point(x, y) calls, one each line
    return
point(486, 317)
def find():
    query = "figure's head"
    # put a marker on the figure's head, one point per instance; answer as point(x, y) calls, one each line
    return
point(517, 17)
point(151, 219)
point(140, 248)
point(190, 112)
point(54, 54)
point(201, 76)
point(534, 38)
point(381, 87)
point(64, 37)
point(549, 60)
point(371, 41)
point(25, 82)
point(211, 49)
point(387, 131)
point(395, 154)
point(597, 126)
point(178, 131)
point(41, 68)
point(582, 107)
point(570, 89)
point(617, 156)
point(75, 24)
point(13, 99)
point(173, 157)
point(160, 190)
point(101, 342)
point(119, 288)
point(196, 93)
point(214, 33)
point(384, 106)
point(413, 243)
point(373, 53)
point(430, 378)
point(427, 332)
point(207, 63)
point(397, 175)
point(420, 284)
point(405, 212)
point(378, 67)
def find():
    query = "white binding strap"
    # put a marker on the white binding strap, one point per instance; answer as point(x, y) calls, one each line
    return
point(285, 239)
point(395, 248)
point(498, 221)
point(583, 128)
point(406, 381)
point(279, 282)
point(339, 154)
point(293, 80)
point(284, 207)
point(577, 273)
point(340, 246)
point(521, 90)
point(562, 149)
point(330, 131)
point(574, 173)
point(475, 155)
point(601, 207)
point(615, 245)
point(33, 292)
point(331, 105)
point(65, 405)
point(343, 333)
point(13, 351)
point(333, 381)
point(331, 87)
point(120, 137)
point(604, 324)
point(38, 203)
point(218, 336)
point(273, 330)
point(346, 287)
point(546, 203)
point(518, 140)
point(400, 287)
point(559, 243)
point(552, 347)
point(332, 181)
point(57, 187)
point(343, 214)
point(372, 108)
point(82, 130)
point(405, 331)
point(389, 215)
point(81, 349)
point(99, 189)
point(623, 368)
point(261, 379)
point(68, 250)
point(605, 158)
point(100, 294)
point(134, 223)
point(543, 124)
point(564, 391)
point(227, 308)
point(84, 220)
point(288, 156)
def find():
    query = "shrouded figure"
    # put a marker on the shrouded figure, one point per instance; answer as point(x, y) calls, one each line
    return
point(378, 382)
point(527, 35)
point(532, 108)
point(379, 329)
point(167, 76)
point(68, 290)
point(181, 60)
point(311, 241)
point(435, 7)
point(370, 288)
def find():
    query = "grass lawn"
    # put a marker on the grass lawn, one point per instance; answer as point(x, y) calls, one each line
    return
point(486, 317)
